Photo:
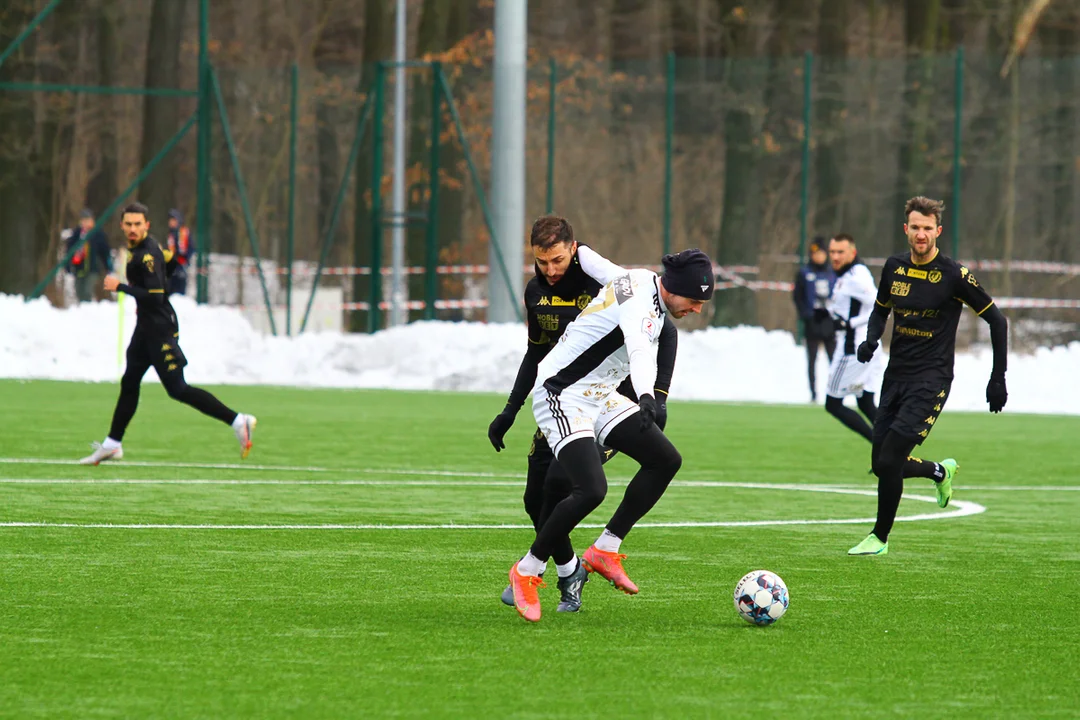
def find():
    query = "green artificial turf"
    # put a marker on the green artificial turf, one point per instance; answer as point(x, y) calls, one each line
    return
point(971, 616)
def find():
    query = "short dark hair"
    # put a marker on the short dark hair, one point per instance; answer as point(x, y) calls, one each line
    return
point(137, 207)
point(925, 206)
point(844, 237)
point(549, 230)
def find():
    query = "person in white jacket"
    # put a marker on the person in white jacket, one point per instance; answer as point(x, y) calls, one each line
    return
point(850, 306)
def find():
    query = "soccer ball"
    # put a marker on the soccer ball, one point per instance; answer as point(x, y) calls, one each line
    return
point(761, 597)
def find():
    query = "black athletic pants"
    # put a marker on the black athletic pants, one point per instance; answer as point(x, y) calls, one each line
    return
point(812, 345)
point(907, 413)
point(162, 352)
point(581, 462)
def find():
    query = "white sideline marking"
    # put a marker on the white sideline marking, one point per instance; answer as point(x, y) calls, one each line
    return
point(962, 508)
point(807, 487)
point(245, 466)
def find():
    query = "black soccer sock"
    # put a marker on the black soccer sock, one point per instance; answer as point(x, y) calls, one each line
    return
point(556, 488)
point(659, 462)
point(126, 404)
point(534, 488)
point(580, 460)
point(889, 463)
point(914, 467)
point(867, 406)
point(811, 363)
point(197, 398)
point(851, 419)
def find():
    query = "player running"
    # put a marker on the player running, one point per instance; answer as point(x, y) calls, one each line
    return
point(155, 343)
point(576, 406)
point(850, 305)
point(926, 293)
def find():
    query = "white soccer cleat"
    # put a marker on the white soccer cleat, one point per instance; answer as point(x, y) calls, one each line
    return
point(244, 427)
point(101, 454)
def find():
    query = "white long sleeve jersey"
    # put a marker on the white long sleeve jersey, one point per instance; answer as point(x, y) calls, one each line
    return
point(616, 335)
point(852, 301)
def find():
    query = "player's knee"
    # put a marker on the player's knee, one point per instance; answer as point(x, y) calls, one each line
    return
point(176, 388)
point(130, 383)
point(592, 494)
point(669, 461)
point(534, 501)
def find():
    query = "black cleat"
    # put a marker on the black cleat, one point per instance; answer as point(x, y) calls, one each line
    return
point(570, 588)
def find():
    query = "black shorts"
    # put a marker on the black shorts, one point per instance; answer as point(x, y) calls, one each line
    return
point(909, 408)
point(158, 350)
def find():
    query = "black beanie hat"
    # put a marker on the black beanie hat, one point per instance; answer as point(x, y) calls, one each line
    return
point(689, 274)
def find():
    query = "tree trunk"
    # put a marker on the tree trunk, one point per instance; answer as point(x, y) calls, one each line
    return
point(161, 115)
point(331, 52)
point(740, 218)
point(103, 185)
point(378, 43)
point(21, 243)
point(920, 38)
point(831, 133)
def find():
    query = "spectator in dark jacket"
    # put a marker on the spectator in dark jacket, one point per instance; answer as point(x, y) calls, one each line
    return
point(813, 286)
point(93, 259)
point(180, 245)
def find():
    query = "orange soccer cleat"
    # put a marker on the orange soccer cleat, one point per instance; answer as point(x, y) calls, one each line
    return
point(609, 566)
point(526, 597)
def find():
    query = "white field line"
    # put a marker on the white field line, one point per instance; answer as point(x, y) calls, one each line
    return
point(961, 509)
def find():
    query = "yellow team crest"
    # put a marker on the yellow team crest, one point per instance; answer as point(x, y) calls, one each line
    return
point(583, 301)
point(934, 276)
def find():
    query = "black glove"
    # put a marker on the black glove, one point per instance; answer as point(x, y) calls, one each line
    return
point(865, 351)
point(498, 427)
point(647, 403)
point(840, 324)
point(661, 413)
point(996, 394)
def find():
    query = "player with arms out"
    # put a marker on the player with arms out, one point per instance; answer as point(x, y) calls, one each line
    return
point(568, 277)
point(850, 305)
point(926, 292)
point(155, 343)
point(576, 406)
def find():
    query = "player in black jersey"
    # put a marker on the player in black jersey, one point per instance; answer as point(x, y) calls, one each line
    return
point(926, 292)
point(155, 343)
point(568, 276)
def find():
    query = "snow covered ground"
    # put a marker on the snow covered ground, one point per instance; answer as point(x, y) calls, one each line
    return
point(732, 364)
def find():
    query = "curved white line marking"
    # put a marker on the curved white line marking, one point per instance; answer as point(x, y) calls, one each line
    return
point(961, 509)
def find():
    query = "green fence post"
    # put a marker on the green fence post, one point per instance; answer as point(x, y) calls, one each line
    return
point(431, 239)
point(38, 19)
point(374, 320)
point(294, 96)
point(112, 206)
point(478, 188)
point(669, 132)
point(804, 192)
point(957, 138)
point(203, 167)
point(241, 190)
point(553, 78)
point(335, 212)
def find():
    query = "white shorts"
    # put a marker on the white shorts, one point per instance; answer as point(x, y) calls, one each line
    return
point(848, 376)
point(571, 415)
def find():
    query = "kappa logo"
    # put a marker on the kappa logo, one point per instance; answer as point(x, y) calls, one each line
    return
point(169, 357)
point(166, 347)
point(172, 366)
point(901, 289)
point(901, 271)
point(148, 261)
point(544, 301)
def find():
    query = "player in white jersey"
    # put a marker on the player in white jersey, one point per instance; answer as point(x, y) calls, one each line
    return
point(576, 406)
point(850, 305)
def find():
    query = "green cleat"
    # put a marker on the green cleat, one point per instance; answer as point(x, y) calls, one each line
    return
point(870, 546)
point(944, 488)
